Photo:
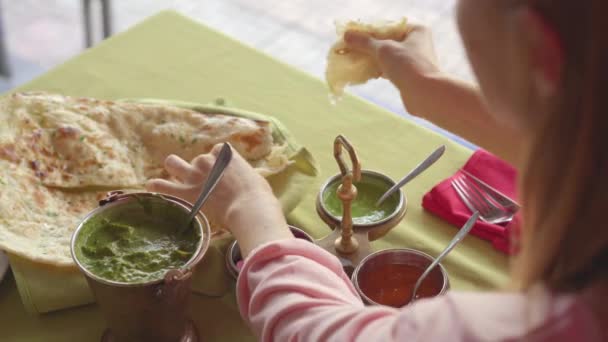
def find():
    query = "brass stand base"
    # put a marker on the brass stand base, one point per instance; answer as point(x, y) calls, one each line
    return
point(190, 334)
point(349, 261)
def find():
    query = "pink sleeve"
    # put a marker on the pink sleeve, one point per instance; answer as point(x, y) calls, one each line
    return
point(292, 290)
point(295, 291)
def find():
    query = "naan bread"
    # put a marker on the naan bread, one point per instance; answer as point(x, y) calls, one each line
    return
point(345, 66)
point(60, 155)
point(36, 221)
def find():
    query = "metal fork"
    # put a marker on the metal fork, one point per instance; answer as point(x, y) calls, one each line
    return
point(477, 200)
point(495, 195)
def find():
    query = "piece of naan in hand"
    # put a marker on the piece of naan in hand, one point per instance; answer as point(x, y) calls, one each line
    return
point(346, 66)
point(59, 156)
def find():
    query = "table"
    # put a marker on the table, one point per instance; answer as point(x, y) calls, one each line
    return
point(170, 56)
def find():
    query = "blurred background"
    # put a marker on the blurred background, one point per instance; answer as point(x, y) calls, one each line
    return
point(40, 34)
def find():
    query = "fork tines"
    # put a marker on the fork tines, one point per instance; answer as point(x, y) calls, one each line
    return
point(477, 199)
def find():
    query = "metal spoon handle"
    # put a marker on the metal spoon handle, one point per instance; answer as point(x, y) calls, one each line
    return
point(461, 234)
point(215, 175)
point(430, 160)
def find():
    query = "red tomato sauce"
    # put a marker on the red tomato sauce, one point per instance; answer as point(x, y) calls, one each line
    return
point(392, 284)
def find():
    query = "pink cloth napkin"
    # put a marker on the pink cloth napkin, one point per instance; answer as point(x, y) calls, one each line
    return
point(444, 202)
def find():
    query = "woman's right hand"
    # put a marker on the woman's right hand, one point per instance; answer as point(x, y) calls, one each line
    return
point(239, 186)
point(242, 202)
point(407, 64)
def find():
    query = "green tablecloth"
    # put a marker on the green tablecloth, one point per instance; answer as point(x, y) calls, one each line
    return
point(171, 57)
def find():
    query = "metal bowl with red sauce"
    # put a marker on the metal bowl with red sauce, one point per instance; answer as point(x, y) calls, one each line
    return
point(388, 277)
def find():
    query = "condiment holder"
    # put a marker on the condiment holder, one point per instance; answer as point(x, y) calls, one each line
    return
point(385, 277)
point(350, 241)
point(154, 310)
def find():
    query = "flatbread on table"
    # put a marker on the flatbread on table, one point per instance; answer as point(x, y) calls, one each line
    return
point(60, 155)
point(346, 66)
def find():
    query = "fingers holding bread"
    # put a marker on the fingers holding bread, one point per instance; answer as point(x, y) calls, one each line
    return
point(353, 58)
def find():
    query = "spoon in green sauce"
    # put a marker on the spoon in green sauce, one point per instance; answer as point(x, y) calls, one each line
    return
point(430, 160)
point(223, 159)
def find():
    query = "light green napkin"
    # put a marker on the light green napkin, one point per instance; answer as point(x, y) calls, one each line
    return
point(43, 288)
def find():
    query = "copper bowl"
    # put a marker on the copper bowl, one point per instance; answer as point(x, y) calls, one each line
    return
point(381, 266)
point(154, 310)
point(233, 255)
point(376, 229)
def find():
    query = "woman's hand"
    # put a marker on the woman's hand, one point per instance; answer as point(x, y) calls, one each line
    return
point(242, 201)
point(407, 64)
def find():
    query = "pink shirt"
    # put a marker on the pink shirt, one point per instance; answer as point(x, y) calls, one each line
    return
point(292, 290)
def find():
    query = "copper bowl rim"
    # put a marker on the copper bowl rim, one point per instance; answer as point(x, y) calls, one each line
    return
point(203, 226)
point(374, 174)
point(355, 276)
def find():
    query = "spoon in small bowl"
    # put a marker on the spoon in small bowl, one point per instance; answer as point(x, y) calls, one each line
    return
point(223, 159)
point(461, 234)
point(430, 160)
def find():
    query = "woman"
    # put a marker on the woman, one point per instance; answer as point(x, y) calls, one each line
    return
point(542, 104)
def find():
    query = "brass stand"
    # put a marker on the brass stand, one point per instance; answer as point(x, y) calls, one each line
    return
point(349, 246)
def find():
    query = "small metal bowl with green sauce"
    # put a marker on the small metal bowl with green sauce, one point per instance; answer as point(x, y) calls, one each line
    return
point(377, 220)
point(138, 264)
